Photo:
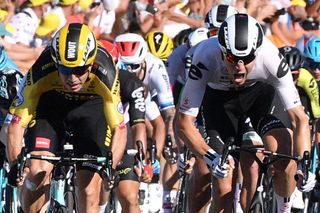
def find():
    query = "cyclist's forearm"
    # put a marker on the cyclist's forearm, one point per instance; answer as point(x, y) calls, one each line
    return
point(159, 133)
point(119, 141)
point(140, 134)
point(301, 130)
point(192, 136)
point(168, 116)
point(14, 141)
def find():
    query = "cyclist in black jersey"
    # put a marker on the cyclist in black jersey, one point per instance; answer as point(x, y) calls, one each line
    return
point(72, 86)
point(306, 84)
point(132, 96)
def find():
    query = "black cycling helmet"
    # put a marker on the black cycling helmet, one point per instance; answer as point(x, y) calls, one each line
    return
point(293, 57)
point(182, 37)
point(9, 84)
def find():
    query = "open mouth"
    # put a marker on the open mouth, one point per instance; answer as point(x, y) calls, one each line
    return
point(239, 77)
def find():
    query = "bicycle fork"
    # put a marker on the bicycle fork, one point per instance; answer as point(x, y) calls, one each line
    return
point(57, 188)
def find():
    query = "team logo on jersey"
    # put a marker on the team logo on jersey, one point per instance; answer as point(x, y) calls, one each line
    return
point(42, 142)
point(195, 72)
point(283, 68)
point(139, 103)
point(107, 141)
point(3, 87)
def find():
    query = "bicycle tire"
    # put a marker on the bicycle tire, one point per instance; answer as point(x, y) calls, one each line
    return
point(60, 209)
point(11, 200)
point(70, 198)
point(2, 190)
point(55, 207)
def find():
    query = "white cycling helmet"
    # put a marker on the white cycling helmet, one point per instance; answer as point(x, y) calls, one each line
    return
point(218, 14)
point(240, 36)
point(197, 36)
point(132, 48)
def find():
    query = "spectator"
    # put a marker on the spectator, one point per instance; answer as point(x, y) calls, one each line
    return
point(65, 9)
point(179, 18)
point(46, 29)
point(105, 17)
point(6, 11)
point(286, 30)
point(26, 22)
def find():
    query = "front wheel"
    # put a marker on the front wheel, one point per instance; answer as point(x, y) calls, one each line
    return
point(71, 202)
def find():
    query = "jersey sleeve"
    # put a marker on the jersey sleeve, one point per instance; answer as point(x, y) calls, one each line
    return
point(132, 92)
point(112, 105)
point(280, 75)
point(194, 89)
point(159, 81)
point(307, 82)
point(152, 109)
point(175, 65)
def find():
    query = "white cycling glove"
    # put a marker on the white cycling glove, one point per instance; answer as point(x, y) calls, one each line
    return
point(181, 164)
point(213, 160)
point(309, 184)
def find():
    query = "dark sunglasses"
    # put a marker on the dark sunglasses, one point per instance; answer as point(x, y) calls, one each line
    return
point(133, 67)
point(313, 65)
point(213, 31)
point(73, 70)
point(235, 59)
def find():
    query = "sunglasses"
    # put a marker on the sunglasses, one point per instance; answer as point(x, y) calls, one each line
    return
point(213, 31)
point(78, 71)
point(133, 67)
point(235, 59)
point(313, 65)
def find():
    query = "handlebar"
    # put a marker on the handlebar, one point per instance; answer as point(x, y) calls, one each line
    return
point(226, 150)
point(140, 155)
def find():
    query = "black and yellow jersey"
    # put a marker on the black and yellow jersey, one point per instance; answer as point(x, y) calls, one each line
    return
point(43, 77)
point(309, 85)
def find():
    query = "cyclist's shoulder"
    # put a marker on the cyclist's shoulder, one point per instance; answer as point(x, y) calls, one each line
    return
point(104, 68)
point(43, 66)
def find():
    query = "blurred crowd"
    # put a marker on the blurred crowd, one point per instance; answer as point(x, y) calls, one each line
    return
point(27, 26)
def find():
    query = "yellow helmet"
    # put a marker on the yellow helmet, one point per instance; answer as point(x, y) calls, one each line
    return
point(159, 44)
point(74, 45)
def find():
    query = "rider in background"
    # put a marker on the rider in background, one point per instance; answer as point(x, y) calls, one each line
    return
point(10, 79)
point(312, 64)
point(309, 95)
point(152, 72)
point(73, 86)
point(160, 45)
point(133, 99)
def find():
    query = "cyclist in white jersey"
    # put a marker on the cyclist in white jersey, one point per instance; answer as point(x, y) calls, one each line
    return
point(240, 73)
point(178, 65)
point(151, 70)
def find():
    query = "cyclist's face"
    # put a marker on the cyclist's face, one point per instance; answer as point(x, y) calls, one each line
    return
point(238, 72)
point(316, 74)
point(74, 82)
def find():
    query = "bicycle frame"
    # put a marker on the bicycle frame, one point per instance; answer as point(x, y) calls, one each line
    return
point(263, 195)
point(8, 194)
point(64, 172)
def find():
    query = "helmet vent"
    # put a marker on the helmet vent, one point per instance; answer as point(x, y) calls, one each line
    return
point(241, 28)
point(222, 13)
